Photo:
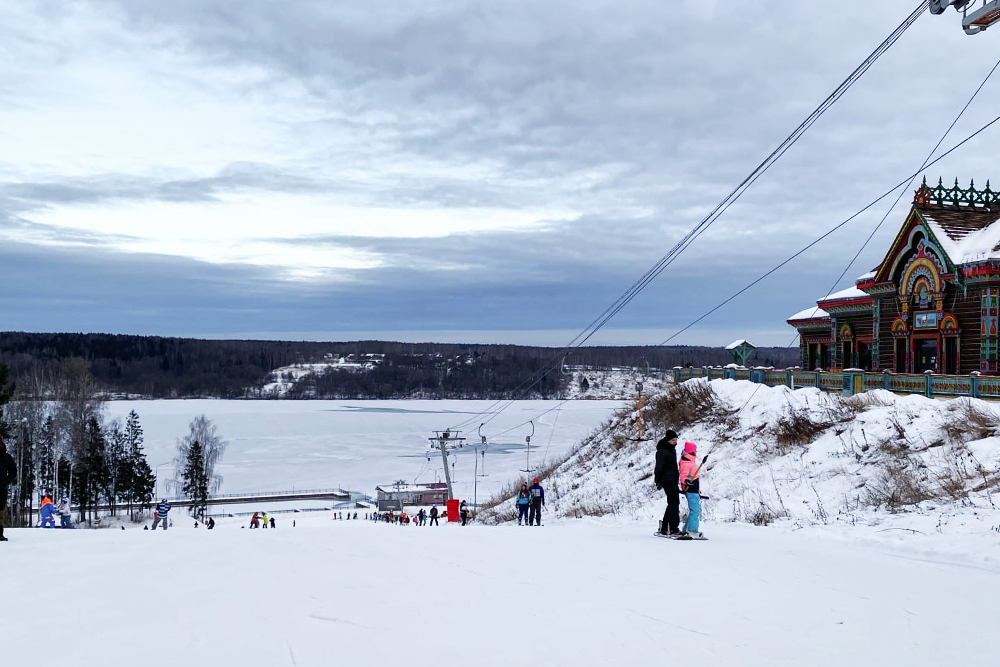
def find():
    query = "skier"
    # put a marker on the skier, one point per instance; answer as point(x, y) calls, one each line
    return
point(537, 500)
point(691, 486)
point(523, 500)
point(48, 512)
point(162, 510)
point(65, 518)
point(666, 477)
point(8, 476)
point(434, 516)
point(463, 511)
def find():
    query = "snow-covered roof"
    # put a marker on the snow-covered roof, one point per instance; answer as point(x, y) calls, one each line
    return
point(737, 343)
point(868, 276)
point(809, 314)
point(849, 293)
point(412, 488)
point(966, 235)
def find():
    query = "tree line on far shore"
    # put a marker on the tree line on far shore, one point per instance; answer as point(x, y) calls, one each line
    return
point(158, 367)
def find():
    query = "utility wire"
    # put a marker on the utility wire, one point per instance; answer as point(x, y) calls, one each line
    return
point(639, 285)
point(905, 182)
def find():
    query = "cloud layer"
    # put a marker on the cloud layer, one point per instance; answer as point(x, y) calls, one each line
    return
point(204, 167)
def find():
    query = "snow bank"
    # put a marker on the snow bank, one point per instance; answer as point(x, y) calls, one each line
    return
point(803, 457)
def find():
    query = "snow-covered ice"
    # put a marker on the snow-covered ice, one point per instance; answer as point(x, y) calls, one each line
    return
point(278, 445)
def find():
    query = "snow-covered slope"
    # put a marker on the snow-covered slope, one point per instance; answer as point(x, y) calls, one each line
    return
point(804, 457)
point(617, 384)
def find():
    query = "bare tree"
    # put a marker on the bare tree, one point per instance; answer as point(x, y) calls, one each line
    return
point(213, 447)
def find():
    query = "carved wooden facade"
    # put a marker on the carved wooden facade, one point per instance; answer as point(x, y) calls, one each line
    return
point(931, 304)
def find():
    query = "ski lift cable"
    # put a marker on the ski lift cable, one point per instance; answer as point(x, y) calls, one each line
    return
point(667, 259)
point(904, 184)
point(910, 184)
point(639, 285)
point(826, 234)
point(907, 184)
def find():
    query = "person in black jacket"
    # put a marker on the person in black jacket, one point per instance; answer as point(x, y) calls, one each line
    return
point(666, 477)
point(8, 475)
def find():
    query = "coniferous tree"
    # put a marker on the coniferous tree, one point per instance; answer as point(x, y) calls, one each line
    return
point(195, 480)
point(47, 457)
point(64, 478)
point(140, 481)
point(116, 465)
point(90, 478)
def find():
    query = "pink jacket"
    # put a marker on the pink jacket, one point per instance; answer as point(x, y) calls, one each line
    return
point(687, 468)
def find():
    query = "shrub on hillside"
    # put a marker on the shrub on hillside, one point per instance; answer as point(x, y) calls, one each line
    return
point(969, 421)
point(687, 403)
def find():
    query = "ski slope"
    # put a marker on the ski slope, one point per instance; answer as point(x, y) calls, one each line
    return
point(570, 593)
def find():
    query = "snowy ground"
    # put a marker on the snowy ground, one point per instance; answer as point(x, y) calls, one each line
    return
point(835, 582)
point(570, 593)
point(280, 445)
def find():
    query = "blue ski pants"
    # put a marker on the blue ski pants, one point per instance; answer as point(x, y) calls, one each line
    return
point(694, 512)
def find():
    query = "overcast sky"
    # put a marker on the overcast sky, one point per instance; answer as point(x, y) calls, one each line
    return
point(447, 170)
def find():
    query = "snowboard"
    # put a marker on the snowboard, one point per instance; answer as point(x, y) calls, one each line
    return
point(681, 538)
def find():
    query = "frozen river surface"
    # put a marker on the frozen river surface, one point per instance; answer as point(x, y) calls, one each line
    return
point(280, 445)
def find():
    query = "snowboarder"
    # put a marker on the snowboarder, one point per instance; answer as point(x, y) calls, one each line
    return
point(537, 500)
point(162, 510)
point(65, 518)
point(463, 511)
point(434, 516)
point(666, 477)
point(523, 500)
point(8, 476)
point(48, 512)
point(691, 486)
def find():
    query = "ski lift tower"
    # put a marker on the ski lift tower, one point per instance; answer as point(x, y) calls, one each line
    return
point(446, 441)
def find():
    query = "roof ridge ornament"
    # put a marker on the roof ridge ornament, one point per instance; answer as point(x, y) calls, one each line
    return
point(955, 196)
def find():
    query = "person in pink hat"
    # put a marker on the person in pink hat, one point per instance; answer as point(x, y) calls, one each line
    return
point(691, 488)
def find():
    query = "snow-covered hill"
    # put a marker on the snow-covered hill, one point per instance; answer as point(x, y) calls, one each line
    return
point(803, 457)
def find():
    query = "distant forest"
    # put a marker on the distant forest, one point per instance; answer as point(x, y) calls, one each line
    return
point(156, 367)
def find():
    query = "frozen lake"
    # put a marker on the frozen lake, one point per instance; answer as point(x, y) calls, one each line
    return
point(280, 445)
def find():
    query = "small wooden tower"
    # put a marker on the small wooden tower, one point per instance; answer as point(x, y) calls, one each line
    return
point(740, 350)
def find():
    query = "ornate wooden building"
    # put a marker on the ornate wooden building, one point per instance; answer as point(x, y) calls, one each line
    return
point(931, 305)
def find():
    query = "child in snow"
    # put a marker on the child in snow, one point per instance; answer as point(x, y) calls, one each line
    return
point(65, 519)
point(523, 498)
point(690, 487)
point(47, 511)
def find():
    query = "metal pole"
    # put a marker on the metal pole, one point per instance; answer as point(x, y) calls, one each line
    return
point(447, 473)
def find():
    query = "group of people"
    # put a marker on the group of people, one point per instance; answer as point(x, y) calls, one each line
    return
point(260, 520)
point(48, 512)
point(676, 478)
point(530, 500)
point(422, 516)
